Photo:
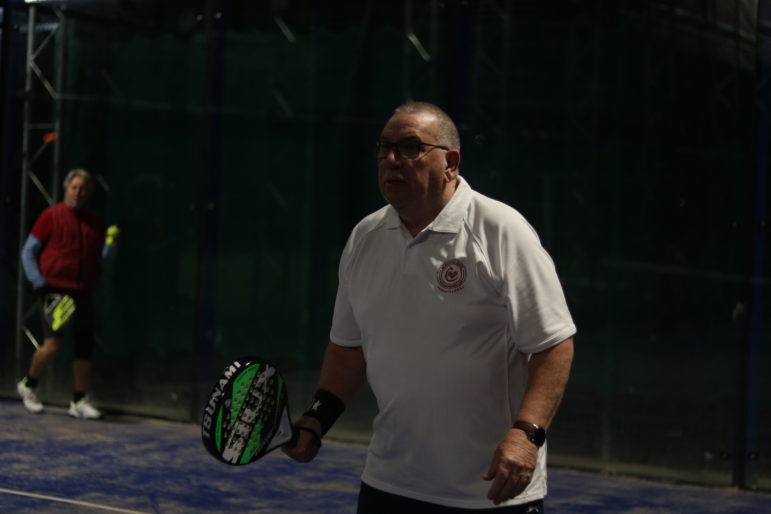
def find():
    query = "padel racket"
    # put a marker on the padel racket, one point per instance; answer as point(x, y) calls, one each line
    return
point(247, 414)
point(58, 310)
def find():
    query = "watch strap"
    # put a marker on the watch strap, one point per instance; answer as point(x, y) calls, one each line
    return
point(536, 434)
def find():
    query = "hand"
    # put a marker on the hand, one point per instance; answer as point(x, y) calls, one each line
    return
point(306, 447)
point(512, 467)
point(113, 233)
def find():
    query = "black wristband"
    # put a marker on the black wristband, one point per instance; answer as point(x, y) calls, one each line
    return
point(326, 408)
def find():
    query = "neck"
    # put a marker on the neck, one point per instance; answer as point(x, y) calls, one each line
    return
point(414, 222)
point(73, 207)
point(414, 227)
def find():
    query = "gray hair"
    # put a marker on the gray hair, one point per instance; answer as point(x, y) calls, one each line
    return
point(447, 133)
point(79, 172)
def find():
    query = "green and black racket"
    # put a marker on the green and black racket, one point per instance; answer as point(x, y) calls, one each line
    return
point(247, 414)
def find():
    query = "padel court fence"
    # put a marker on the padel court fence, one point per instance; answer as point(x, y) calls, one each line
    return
point(233, 143)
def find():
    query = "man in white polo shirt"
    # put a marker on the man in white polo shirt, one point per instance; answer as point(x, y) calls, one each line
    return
point(451, 309)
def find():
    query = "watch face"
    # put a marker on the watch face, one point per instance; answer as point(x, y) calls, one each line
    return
point(535, 434)
point(539, 436)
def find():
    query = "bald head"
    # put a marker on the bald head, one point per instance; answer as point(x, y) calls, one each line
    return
point(447, 132)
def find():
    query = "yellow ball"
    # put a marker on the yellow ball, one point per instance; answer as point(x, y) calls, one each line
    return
point(112, 234)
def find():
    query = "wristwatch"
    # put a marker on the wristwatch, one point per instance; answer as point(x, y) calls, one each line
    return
point(536, 434)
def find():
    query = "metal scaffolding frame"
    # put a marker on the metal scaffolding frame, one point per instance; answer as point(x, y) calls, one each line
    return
point(41, 132)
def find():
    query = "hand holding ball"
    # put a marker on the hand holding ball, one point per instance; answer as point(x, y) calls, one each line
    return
point(112, 235)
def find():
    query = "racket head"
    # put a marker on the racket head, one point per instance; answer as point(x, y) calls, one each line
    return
point(247, 414)
point(58, 310)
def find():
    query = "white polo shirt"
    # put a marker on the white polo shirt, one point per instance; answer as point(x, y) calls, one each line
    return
point(446, 322)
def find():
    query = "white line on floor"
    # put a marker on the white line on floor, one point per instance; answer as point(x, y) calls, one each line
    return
point(73, 502)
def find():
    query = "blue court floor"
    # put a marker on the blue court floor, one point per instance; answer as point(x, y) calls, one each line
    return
point(53, 463)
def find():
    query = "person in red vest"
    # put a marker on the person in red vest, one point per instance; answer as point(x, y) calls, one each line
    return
point(63, 256)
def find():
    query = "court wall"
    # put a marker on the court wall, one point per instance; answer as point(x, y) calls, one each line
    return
point(238, 154)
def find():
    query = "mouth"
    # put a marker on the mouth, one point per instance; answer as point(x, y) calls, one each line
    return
point(394, 180)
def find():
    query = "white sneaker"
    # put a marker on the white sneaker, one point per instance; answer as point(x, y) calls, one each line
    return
point(84, 410)
point(29, 398)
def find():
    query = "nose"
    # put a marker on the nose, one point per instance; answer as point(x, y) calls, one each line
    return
point(391, 157)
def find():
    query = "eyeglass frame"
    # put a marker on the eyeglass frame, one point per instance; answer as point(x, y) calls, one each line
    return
point(395, 146)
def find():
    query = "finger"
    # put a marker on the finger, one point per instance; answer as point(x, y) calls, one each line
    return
point(305, 455)
point(304, 450)
point(492, 470)
point(301, 443)
point(315, 437)
point(503, 492)
point(497, 487)
point(512, 488)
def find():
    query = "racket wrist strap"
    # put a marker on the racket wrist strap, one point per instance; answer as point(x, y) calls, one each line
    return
point(326, 408)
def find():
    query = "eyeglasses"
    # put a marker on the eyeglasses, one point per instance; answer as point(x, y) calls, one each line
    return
point(408, 149)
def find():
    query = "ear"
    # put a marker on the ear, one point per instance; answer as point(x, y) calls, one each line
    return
point(452, 158)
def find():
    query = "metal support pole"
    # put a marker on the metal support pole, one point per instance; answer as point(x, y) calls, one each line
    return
point(209, 197)
point(58, 107)
point(25, 169)
point(746, 452)
point(32, 147)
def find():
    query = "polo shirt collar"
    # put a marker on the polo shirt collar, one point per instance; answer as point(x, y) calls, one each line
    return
point(450, 219)
point(392, 219)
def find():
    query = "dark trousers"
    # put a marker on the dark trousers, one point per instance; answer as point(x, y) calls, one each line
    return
point(375, 501)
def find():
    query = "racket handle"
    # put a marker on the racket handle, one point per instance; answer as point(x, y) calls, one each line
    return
point(296, 436)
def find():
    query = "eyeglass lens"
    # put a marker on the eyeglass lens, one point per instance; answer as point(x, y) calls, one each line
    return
point(406, 149)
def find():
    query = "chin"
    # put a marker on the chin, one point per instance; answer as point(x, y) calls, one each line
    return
point(394, 199)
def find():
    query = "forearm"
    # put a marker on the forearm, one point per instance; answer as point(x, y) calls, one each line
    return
point(29, 255)
point(343, 371)
point(110, 247)
point(109, 252)
point(548, 373)
point(516, 457)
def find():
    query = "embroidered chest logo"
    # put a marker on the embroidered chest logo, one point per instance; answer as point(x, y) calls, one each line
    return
point(451, 276)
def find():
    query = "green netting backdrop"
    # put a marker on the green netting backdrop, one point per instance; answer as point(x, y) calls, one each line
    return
point(628, 141)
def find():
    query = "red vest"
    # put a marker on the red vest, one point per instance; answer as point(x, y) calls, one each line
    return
point(72, 247)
